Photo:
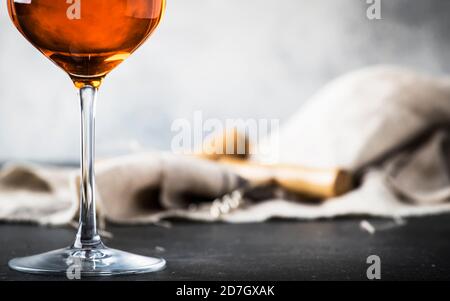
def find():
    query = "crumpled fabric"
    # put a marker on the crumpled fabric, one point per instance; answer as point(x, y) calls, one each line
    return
point(388, 126)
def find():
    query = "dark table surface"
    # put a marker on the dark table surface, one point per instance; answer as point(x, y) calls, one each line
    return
point(276, 250)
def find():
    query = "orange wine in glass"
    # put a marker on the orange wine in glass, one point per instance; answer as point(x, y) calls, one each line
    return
point(87, 39)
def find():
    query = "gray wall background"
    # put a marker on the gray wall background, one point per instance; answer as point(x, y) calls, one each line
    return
point(228, 58)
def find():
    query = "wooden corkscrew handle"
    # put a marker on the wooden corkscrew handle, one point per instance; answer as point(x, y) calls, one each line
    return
point(312, 182)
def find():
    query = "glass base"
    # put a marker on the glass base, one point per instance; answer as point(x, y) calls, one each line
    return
point(75, 263)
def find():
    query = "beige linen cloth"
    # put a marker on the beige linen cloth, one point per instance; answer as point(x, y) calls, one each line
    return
point(385, 124)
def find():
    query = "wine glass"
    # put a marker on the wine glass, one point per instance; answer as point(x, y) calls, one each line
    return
point(87, 39)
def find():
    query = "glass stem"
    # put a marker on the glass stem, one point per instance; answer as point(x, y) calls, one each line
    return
point(87, 236)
